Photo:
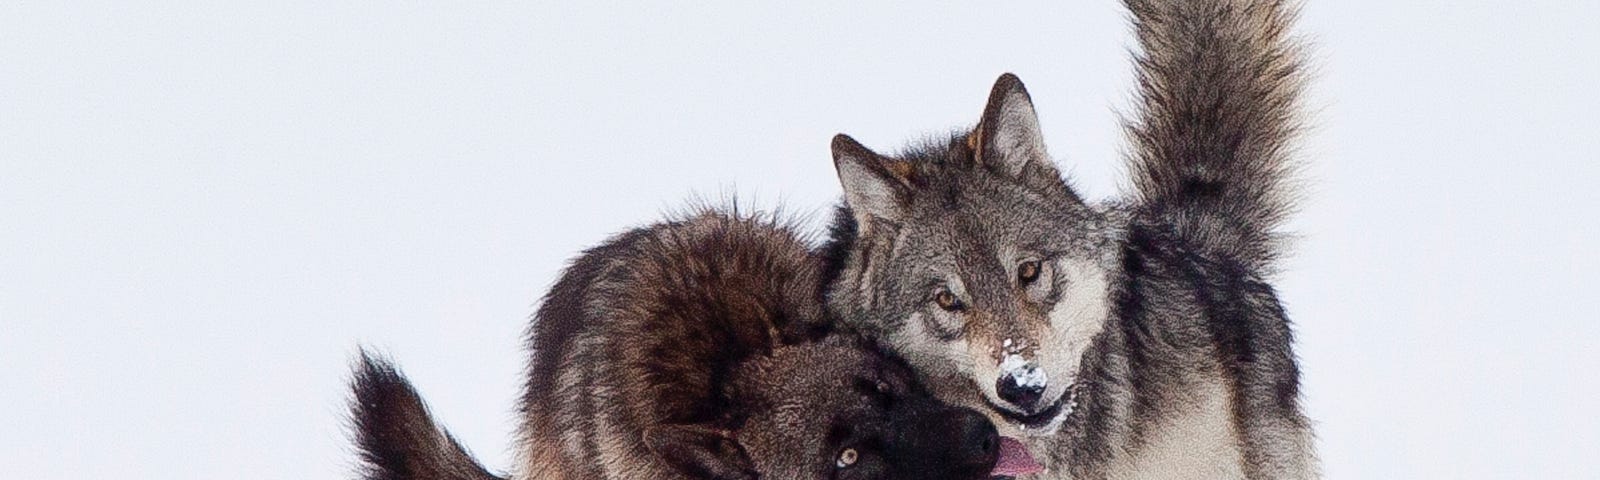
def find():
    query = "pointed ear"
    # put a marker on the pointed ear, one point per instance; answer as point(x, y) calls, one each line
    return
point(875, 187)
point(700, 451)
point(1008, 140)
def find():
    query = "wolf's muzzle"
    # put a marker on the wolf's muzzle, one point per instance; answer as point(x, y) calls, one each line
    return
point(1022, 386)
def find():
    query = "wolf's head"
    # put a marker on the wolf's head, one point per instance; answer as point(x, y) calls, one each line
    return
point(837, 409)
point(977, 263)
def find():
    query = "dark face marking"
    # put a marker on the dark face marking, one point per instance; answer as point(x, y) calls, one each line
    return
point(837, 410)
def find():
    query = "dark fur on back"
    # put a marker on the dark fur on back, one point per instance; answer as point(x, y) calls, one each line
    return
point(835, 250)
point(1217, 116)
point(696, 348)
point(640, 320)
point(397, 437)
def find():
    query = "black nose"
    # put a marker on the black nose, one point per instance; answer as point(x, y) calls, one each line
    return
point(979, 445)
point(1025, 396)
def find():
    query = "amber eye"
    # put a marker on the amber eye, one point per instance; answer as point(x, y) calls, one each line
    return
point(946, 300)
point(847, 457)
point(1028, 271)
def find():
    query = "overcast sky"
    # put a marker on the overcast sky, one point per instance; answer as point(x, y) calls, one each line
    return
point(205, 207)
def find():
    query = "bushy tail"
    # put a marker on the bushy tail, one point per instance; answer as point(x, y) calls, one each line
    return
point(397, 437)
point(1219, 88)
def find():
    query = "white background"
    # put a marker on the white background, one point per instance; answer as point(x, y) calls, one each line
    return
point(205, 208)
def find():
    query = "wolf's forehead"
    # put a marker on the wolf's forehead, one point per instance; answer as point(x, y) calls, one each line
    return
point(822, 363)
point(984, 234)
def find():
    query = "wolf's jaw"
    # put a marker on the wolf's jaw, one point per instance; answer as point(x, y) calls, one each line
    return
point(1068, 405)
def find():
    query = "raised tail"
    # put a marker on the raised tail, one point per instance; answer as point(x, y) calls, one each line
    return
point(397, 437)
point(1217, 117)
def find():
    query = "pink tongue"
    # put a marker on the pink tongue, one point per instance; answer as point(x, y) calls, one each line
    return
point(1014, 459)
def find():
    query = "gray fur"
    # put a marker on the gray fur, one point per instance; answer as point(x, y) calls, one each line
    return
point(1167, 351)
point(1219, 89)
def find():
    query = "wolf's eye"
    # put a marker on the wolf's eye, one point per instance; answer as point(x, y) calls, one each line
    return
point(946, 300)
point(846, 458)
point(1028, 271)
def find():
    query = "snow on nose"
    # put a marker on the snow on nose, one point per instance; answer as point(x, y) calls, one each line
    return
point(1023, 374)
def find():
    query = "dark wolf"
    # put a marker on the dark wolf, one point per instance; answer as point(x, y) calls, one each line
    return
point(1137, 338)
point(700, 349)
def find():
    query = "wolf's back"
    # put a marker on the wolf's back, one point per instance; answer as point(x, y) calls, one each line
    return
point(397, 436)
point(656, 317)
point(1219, 87)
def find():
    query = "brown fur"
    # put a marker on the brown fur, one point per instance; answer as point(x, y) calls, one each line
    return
point(700, 349)
point(638, 307)
point(694, 349)
point(397, 437)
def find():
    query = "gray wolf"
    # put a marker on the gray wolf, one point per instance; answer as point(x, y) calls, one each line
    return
point(698, 348)
point(1135, 338)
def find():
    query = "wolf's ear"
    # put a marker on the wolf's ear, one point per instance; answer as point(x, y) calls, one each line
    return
point(876, 187)
point(1008, 140)
point(700, 451)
